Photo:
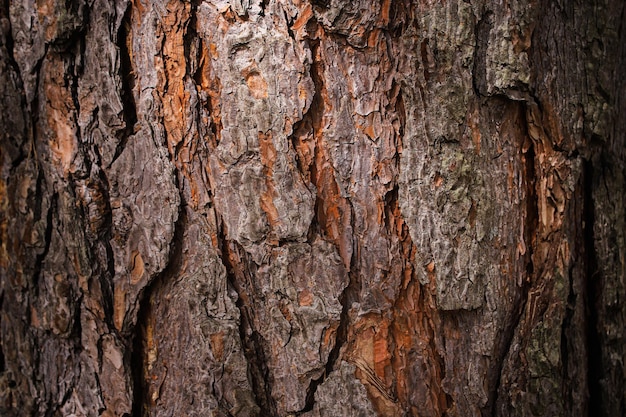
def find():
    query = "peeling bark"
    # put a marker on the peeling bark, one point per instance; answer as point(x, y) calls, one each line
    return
point(313, 208)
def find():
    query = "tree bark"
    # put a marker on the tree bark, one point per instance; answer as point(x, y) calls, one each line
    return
point(313, 208)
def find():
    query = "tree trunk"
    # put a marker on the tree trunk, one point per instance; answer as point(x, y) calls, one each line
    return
point(312, 208)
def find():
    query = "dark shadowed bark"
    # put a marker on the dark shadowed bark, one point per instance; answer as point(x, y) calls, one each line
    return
point(312, 208)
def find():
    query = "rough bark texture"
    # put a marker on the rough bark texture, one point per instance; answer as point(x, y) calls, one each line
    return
point(312, 207)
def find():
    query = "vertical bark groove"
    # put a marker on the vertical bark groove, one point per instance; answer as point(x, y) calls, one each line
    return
point(479, 78)
point(40, 258)
point(251, 341)
point(594, 347)
point(151, 293)
point(531, 216)
point(127, 78)
point(349, 294)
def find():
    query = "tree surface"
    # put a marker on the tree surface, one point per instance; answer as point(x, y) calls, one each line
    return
point(312, 208)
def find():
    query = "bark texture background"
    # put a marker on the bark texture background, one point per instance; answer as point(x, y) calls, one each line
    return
point(312, 207)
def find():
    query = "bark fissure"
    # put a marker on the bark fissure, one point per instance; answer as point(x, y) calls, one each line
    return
point(263, 4)
point(321, 3)
point(301, 127)
point(592, 288)
point(74, 338)
point(8, 39)
point(137, 358)
point(34, 105)
point(288, 24)
point(137, 353)
point(192, 42)
point(9, 45)
point(509, 334)
point(40, 258)
point(531, 219)
point(479, 74)
point(107, 275)
point(392, 208)
point(74, 75)
point(341, 338)
point(2, 358)
point(127, 78)
point(252, 342)
point(567, 343)
point(314, 117)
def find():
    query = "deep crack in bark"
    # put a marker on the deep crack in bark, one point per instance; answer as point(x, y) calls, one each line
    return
point(136, 341)
point(592, 288)
point(9, 46)
point(479, 73)
point(252, 342)
point(530, 228)
point(127, 77)
point(50, 217)
point(351, 291)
